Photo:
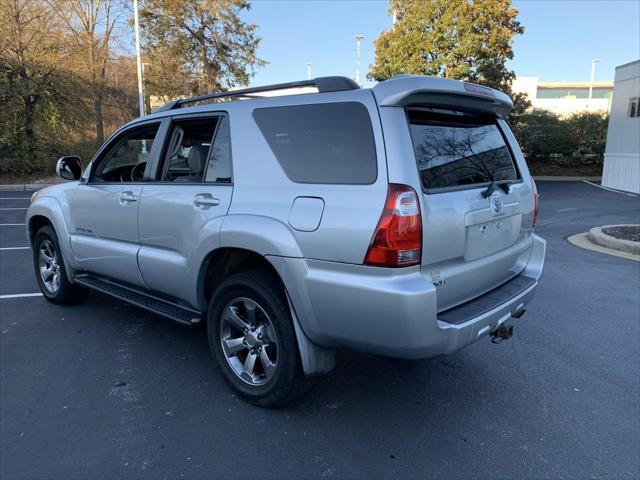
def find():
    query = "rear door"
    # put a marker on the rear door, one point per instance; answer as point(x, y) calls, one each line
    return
point(104, 210)
point(475, 235)
point(183, 204)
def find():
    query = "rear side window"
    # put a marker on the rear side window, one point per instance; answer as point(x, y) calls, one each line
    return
point(454, 149)
point(321, 143)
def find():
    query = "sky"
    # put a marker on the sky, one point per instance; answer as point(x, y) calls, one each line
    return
point(560, 40)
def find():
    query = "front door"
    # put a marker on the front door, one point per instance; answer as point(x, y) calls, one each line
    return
point(182, 210)
point(104, 210)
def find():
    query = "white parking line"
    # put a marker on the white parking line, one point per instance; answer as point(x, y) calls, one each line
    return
point(11, 224)
point(20, 295)
point(21, 208)
point(611, 189)
point(14, 198)
point(15, 248)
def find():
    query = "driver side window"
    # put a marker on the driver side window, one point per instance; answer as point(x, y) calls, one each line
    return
point(126, 159)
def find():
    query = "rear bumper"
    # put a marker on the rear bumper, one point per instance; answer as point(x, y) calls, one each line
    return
point(390, 312)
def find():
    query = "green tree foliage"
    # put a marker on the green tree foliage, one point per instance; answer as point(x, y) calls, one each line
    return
point(467, 40)
point(197, 46)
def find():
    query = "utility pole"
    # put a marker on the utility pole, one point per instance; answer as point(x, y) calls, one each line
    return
point(138, 57)
point(593, 74)
point(358, 40)
point(308, 71)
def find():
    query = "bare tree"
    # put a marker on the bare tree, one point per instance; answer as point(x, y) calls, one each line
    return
point(92, 25)
point(32, 57)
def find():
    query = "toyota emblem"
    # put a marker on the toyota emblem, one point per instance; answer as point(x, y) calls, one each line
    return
point(496, 204)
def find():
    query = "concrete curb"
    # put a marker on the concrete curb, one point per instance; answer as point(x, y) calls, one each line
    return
point(552, 178)
point(581, 240)
point(32, 187)
point(597, 236)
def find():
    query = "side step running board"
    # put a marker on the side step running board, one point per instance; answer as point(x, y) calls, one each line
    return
point(148, 302)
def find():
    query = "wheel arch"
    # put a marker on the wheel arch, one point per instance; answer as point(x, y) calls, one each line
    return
point(36, 222)
point(225, 261)
point(47, 210)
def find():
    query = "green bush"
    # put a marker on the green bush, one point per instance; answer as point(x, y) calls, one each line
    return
point(587, 132)
point(578, 139)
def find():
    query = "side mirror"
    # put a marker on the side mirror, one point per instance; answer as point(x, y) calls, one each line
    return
point(69, 168)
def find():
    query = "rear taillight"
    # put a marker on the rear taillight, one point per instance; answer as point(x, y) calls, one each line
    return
point(535, 202)
point(397, 241)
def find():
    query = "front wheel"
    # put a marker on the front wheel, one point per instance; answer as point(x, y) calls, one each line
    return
point(50, 270)
point(252, 339)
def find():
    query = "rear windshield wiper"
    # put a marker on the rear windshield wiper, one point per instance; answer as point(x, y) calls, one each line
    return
point(492, 188)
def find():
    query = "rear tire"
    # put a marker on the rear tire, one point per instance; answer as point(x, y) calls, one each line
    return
point(50, 270)
point(252, 339)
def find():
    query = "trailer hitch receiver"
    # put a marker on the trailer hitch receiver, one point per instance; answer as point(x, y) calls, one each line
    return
point(503, 332)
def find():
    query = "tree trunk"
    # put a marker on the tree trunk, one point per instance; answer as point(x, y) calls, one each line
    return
point(206, 84)
point(99, 119)
point(29, 131)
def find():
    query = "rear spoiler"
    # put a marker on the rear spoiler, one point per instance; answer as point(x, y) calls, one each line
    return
point(405, 90)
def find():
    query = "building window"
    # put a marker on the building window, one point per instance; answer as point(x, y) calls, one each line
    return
point(633, 108)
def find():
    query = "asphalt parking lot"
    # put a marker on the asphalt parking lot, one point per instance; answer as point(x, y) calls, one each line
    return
point(103, 390)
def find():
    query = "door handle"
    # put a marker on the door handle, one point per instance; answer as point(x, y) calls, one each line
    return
point(127, 197)
point(205, 200)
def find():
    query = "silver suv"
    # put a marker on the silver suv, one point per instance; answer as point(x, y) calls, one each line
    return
point(300, 218)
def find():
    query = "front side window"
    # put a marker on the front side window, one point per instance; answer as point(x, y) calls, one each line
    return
point(455, 149)
point(329, 143)
point(127, 159)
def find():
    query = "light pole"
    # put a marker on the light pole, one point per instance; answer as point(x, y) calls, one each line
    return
point(138, 58)
point(308, 71)
point(593, 74)
point(358, 40)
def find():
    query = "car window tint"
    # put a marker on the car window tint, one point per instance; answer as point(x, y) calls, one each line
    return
point(455, 150)
point(219, 163)
point(127, 159)
point(321, 143)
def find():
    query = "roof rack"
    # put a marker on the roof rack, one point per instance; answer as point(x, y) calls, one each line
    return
point(323, 84)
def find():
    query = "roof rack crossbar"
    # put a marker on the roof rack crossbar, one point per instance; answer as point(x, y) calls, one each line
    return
point(323, 84)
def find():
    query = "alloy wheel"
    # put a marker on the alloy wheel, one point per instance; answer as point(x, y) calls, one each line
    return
point(249, 341)
point(49, 266)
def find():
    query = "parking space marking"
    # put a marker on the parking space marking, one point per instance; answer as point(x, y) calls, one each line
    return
point(15, 248)
point(15, 208)
point(11, 224)
point(14, 198)
point(20, 295)
point(628, 194)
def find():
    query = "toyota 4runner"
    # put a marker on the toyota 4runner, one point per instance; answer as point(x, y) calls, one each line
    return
point(300, 218)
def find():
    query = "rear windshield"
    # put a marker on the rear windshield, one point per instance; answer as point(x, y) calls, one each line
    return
point(454, 149)
point(321, 143)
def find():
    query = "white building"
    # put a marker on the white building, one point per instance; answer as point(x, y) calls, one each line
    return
point(622, 154)
point(564, 98)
